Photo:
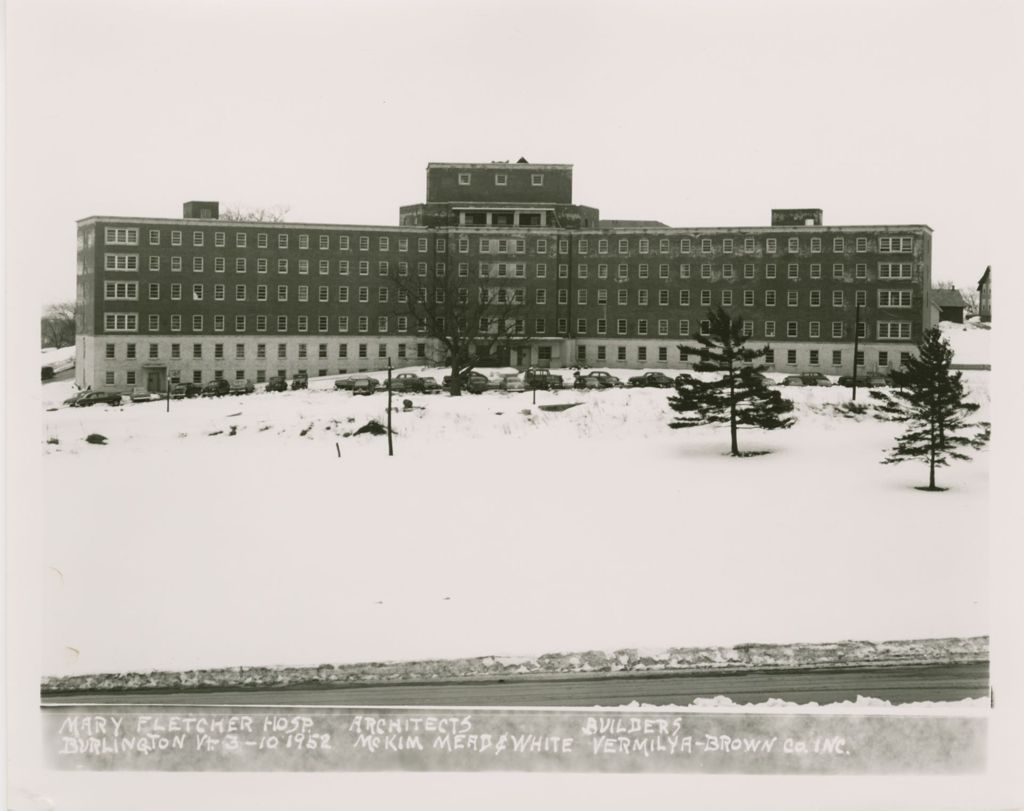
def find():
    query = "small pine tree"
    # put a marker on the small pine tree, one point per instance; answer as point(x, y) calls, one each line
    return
point(740, 396)
point(931, 399)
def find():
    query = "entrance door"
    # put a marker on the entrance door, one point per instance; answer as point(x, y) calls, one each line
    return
point(156, 381)
point(522, 357)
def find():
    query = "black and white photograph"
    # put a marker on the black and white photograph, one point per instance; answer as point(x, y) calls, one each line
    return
point(472, 404)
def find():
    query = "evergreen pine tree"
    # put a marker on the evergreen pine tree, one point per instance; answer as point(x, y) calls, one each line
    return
point(740, 396)
point(931, 400)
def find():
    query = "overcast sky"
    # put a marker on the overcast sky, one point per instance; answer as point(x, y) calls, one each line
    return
point(702, 114)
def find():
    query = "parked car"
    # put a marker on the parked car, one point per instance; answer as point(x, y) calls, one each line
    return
point(142, 396)
point(793, 380)
point(656, 380)
point(180, 390)
point(472, 382)
point(588, 383)
point(542, 379)
point(217, 387)
point(867, 381)
point(511, 381)
point(88, 398)
point(71, 400)
point(277, 384)
point(430, 386)
point(763, 379)
point(48, 372)
point(300, 381)
point(815, 379)
point(363, 385)
point(605, 380)
point(405, 382)
point(343, 384)
point(242, 387)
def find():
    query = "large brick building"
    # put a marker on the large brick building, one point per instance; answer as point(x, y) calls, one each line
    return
point(199, 297)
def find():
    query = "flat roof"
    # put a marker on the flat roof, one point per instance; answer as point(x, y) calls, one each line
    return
point(500, 165)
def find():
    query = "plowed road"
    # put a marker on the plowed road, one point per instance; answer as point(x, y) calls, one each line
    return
point(896, 684)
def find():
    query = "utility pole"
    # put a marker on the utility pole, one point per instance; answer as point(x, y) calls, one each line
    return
point(168, 394)
point(856, 345)
point(391, 448)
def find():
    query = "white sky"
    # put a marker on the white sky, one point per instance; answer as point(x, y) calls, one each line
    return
point(690, 113)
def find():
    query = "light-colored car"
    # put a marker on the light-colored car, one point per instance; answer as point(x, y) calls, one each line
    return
point(511, 381)
point(242, 387)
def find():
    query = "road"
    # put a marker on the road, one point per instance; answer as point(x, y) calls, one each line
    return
point(896, 684)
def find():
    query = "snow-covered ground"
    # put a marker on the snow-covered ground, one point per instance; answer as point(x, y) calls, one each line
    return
point(971, 341)
point(230, 531)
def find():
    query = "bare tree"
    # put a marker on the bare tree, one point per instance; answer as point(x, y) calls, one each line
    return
point(58, 324)
point(469, 317)
point(970, 295)
point(275, 213)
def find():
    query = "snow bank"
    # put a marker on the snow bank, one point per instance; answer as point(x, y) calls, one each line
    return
point(863, 705)
point(971, 342)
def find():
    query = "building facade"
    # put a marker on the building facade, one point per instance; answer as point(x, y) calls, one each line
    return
point(985, 296)
point(195, 298)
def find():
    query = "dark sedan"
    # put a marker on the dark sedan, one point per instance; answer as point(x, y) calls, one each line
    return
point(656, 380)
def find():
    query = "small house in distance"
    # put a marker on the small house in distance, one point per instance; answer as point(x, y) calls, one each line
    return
point(985, 296)
point(947, 305)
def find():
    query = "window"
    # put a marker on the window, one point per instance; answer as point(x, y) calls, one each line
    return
point(705, 246)
point(641, 297)
point(621, 326)
point(894, 298)
point(323, 294)
point(197, 323)
point(861, 244)
point(705, 298)
point(218, 350)
point(121, 261)
point(239, 323)
point(771, 245)
point(197, 264)
point(261, 323)
point(175, 291)
point(727, 298)
point(748, 271)
point(815, 244)
point(684, 246)
point(837, 298)
point(176, 238)
point(464, 178)
point(861, 272)
point(218, 323)
point(304, 267)
point(154, 263)
point(261, 264)
point(540, 325)
point(814, 329)
point(705, 271)
point(793, 271)
point(501, 180)
point(663, 298)
point(303, 292)
point(684, 271)
point(748, 329)
point(122, 236)
point(240, 240)
point(860, 298)
point(153, 322)
point(342, 323)
point(282, 265)
point(838, 246)
point(748, 298)
point(895, 244)
point(705, 327)
point(197, 292)
point(894, 330)
point(815, 271)
point(197, 239)
point(125, 291)
point(623, 246)
point(769, 329)
point(261, 292)
point(838, 272)
point(282, 240)
point(727, 272)
point(154, 237)
point(581, 326)
point(791, 329)
point(769, 271)
point(838, 329)
point(858, 358)
point(662, 326)
point(364, 324)
point(282, 323)
point(218, 292)
point(621, 353)
point(303, 353)
point(261, 241)
point(581, 296)
point(536, 180)
point(791, 356)
point(815, 298)
point(641, 353)
point(837, 357)
point(793, 245)
point(175, 323)
point(893, 270)
point(769, 298)
point(282, 292)
point(663, 271)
